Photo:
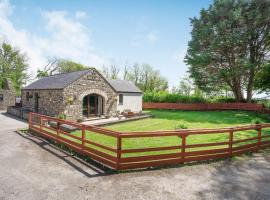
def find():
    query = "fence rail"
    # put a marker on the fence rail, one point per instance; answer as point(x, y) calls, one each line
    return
point(93, 142)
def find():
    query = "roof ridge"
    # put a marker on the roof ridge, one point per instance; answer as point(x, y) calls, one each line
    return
point(67, 72)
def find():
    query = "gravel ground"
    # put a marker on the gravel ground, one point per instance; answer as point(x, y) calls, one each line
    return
point(30, 168)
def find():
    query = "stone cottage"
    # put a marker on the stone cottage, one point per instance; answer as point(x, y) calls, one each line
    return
point(81, 94)
point(7, 95)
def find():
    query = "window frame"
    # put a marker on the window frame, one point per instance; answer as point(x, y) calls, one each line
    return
point(121, 99)
point(1, 97)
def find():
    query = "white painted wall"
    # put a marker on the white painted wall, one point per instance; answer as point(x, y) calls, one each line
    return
point(132, 101)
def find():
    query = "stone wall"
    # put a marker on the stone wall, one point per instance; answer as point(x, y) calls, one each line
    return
point(8, 99)
point(90, 83)
point(50, 101)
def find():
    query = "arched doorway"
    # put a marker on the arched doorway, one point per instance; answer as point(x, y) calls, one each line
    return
point(93, 105)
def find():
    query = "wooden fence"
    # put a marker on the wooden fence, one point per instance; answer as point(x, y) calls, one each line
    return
point(205, 106)
point(110, 147)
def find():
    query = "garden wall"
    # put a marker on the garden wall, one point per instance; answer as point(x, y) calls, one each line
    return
point(205, 107)
point(266, 111)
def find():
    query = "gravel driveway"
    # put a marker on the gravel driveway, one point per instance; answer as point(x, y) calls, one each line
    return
point(32, 169)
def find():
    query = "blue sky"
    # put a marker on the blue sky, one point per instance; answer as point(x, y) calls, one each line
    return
point(98, 32)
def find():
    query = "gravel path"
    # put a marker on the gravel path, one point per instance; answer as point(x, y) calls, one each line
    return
point(32, 169)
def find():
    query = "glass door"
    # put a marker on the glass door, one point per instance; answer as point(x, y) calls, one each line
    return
point(92, 105)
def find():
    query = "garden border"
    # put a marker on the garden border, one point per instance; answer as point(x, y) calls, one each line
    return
point(115, 159)
point(207, 106)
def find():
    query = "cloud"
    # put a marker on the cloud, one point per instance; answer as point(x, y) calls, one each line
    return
point(141, 38)
point(81, 15)
point(152, 37)
point(66, 37)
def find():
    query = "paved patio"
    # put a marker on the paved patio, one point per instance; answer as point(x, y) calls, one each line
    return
point(113, 120)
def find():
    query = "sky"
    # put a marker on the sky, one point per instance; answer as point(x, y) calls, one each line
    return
point(102, 32)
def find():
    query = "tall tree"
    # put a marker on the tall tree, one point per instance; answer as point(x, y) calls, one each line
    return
point(185, 87)
point(58, 66)
point(66, 66)
point(13, 66)
point(146, 78)
point(262, 83)
point(111, 71)
point(230, 42)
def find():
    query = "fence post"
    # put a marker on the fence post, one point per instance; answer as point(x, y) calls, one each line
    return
point(119, 149)
point(230, 142)
point(57, 131)
point(183, 146)
point(30, 120)
point(41, 121)
point(83, 138)
point(259, 136)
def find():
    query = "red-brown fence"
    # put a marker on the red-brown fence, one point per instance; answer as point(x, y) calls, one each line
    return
point(129, 150)
point(205, 106)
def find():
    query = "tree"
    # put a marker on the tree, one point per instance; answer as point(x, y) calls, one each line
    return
point(185, 86)
point(111, 72)
point(230, 43)
point(59, 66)
point(13, 66)
point(263, 79)
point(146, 78)
point(126, 72)
point(66, 66)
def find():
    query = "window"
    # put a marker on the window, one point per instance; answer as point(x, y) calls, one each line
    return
point(27, 96)
point(1, 97)
point(121, 99)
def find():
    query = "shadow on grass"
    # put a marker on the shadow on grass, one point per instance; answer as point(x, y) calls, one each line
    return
point(72, 160)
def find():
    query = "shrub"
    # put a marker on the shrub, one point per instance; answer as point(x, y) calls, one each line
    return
point(181, 126)
point(265, 102)
point(80, 120)
point(257, 121)
point(222, 100)
point(62, 116)
point(165, 97)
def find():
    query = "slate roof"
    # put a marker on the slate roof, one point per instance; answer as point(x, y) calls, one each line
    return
point(60, 81)
point(124, 86)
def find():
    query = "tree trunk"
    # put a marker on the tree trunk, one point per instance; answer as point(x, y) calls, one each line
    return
point(250, 85)
point(237, 91)
point(251, 77)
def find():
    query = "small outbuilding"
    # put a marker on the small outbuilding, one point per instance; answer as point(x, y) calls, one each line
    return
point(80, 95)
point(7, 95)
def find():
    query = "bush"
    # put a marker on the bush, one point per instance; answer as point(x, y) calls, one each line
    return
point(257, 121)
point(62, 116)
point(265, 102)
point(222, 100)
point(165, 97)
point(181, 126)
point(80, 120)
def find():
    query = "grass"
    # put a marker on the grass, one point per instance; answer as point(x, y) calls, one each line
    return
point(170, 120)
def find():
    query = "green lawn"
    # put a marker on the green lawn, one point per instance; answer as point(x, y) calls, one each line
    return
point(169, 120)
